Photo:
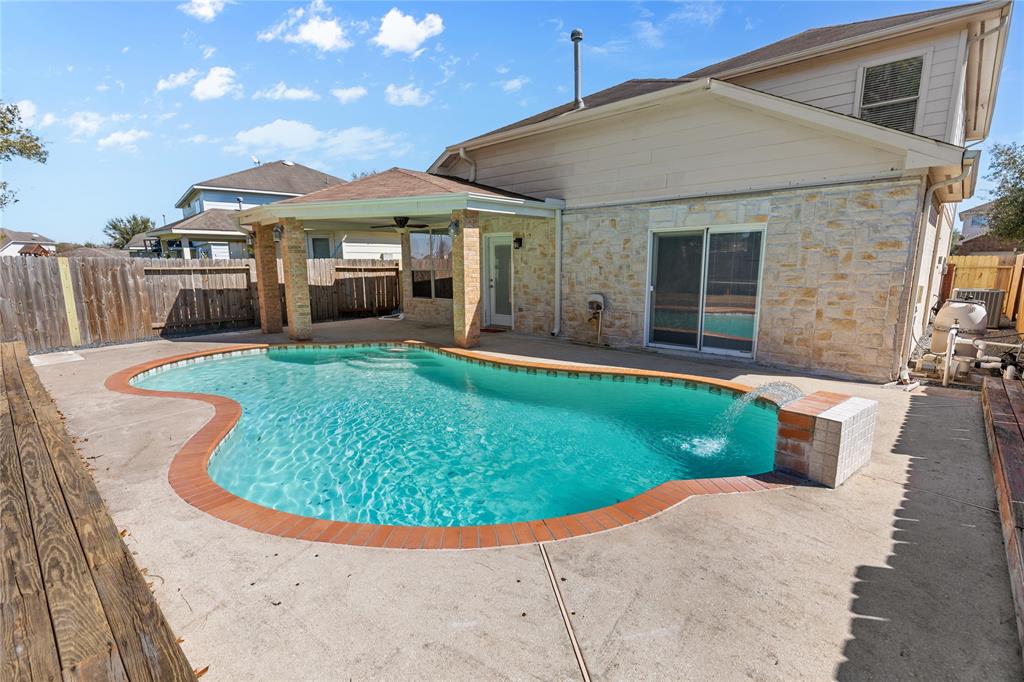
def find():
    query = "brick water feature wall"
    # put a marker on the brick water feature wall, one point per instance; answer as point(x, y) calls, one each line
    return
point(836, 268)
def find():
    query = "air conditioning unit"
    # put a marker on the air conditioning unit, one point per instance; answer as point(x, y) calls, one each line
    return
point(992, 298)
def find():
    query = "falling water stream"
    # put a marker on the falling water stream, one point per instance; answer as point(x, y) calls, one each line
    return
point(780, 392)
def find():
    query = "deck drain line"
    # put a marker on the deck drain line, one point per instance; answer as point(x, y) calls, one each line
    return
point(565, 614)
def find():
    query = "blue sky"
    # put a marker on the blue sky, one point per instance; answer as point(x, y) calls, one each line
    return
point(137, 100)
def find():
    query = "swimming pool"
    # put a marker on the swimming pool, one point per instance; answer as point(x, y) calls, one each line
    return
point(405, 436)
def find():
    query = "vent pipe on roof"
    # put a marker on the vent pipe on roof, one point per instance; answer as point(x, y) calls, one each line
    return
point(577, 37)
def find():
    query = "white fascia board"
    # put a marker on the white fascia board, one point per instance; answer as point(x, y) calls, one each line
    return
point(405, 206)
point(182, 202)
point(223, 233)
point(920, 152)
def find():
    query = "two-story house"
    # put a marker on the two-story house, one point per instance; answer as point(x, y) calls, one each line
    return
point(974, 221)
point(209, 227)
point(793, 204)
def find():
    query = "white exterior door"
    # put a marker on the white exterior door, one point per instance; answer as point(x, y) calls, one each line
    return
point(499, 280)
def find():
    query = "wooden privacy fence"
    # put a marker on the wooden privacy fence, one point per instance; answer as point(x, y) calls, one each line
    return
point(53, 303)
point(990, 272)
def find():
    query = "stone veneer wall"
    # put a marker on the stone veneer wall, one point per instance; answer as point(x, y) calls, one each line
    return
point(533, 268)
point(835, 266)
point(429, 310)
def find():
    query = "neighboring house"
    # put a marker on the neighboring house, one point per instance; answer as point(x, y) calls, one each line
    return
point(988, 245)
point(975, 220)
point(793, 204)
point(14, 243)
point(208, 228)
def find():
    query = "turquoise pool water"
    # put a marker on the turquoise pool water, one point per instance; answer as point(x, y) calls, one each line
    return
point(410, 437)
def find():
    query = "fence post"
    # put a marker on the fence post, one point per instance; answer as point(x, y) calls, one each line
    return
point(70, 309)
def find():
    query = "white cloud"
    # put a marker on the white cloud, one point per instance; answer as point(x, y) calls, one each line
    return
point(402, 33)
point(47, 120)
point(123, 139)
point(198, 139)
point(648, 34)
point(218, 82)
point(282, 91)
point(166, 117)
point(347, 95)
point(406, 95)
point(502, 69)
point(280, 135)
point(292, 137)
point(176, 80)
point(125, 49)
point(311, 25)
point(85, 123)
point(208, 51)
point(364, 143)
point(700, 13)
point(27, 108)
point(514, 84)
point(102, 87)
point(203, 10)
point(120, 117)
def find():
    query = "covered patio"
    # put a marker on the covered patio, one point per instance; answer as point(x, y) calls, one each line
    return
point(472, 255)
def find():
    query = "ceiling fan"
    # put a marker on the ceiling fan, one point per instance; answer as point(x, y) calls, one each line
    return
point(401, 222)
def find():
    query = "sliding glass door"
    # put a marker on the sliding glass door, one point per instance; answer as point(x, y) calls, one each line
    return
point(704, 289)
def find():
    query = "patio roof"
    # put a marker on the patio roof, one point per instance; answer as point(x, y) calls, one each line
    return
point(399, 192)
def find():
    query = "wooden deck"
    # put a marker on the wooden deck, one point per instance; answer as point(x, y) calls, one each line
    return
point(73, 603)
point(1004, 421)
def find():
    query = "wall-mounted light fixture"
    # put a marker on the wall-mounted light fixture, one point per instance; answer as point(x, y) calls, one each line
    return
point(277, 233)
point(517, 243)
point(453, 228)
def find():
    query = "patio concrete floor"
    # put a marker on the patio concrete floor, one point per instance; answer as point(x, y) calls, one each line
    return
point(898, 574)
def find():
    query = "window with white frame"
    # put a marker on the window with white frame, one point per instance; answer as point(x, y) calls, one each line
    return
point(891, 92)
point(431, 256)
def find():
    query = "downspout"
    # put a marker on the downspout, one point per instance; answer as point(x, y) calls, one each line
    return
point(472, 164)
point(558, 273)
point(922, 225)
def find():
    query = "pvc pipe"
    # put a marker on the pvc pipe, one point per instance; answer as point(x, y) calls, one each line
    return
point(472, 164)
point(904, 373)
point(950, 344)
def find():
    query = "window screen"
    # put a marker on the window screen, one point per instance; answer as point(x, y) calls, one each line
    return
point(890, 93)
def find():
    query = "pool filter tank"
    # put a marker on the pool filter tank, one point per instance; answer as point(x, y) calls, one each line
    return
point(969, 313)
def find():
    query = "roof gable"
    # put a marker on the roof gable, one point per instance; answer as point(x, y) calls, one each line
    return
point(816, 38)
point(399, 182)
point(280, 177)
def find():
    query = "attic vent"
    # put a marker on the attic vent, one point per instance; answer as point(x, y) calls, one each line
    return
point(891, 92)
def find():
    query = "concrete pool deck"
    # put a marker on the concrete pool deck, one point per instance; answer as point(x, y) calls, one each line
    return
point(899, 573)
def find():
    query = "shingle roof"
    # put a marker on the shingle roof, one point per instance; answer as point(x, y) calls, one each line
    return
point(19, 236)
point(276, 176)
point(812, 38)
point(400, 182)
point(820, 37)
point(986, 243)
point(616, 93)
point(215, 219)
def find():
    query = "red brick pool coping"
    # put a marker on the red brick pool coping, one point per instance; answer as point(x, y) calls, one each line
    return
point(190, 479)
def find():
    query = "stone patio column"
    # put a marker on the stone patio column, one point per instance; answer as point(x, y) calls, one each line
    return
point(296, 281)
point(466, 279)
point(267, 285)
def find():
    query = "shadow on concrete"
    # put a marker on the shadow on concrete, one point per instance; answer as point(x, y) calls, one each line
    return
point(942, 601)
